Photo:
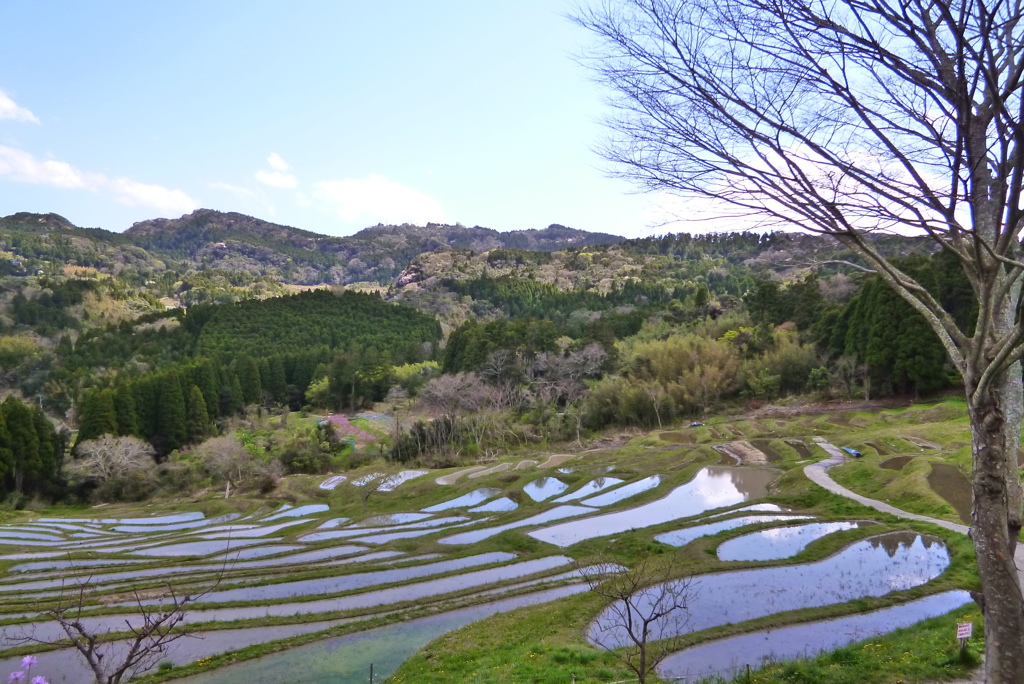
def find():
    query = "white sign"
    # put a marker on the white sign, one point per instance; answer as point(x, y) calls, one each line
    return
point(964, 630)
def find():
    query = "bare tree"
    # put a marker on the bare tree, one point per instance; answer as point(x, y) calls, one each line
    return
point(647, 617)
point(852, 118)
point(118, 654)
point(109, 457)
point(121, 467)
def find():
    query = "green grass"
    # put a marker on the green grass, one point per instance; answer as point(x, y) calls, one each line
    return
point(925, 651)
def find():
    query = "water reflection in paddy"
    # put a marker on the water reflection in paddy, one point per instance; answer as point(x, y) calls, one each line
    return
point(297, 512)
point(197, 548)
point(382, 597)
point(591, 487)
point(474, 536)
point(624, 492)
point(68, 564)
point(352, 531)
point(544, 488)
point(688, 534)
point(502, 505)
point(778, 542)
point(729, 657)
point(174, 527)
point(477, 496)
point(391, 519)
point(257, 552)
point(155, 520)
point(346, 660)
point(873, 567)
point(712, 487)
point(332, 585)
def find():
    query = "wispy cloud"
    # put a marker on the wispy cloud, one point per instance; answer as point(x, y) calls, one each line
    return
point(375, 198)
point(9, 109)
point(20, 166)
point(280, 176)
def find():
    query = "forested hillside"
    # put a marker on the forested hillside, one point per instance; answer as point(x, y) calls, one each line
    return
point(168, 332)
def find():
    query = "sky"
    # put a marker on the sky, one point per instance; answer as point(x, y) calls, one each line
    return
point(329, 115)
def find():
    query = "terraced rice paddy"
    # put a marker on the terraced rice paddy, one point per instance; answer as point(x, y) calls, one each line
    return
point(460, 549)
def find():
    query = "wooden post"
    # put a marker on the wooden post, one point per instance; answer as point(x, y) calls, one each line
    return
point(371, 673)
point(748, 673)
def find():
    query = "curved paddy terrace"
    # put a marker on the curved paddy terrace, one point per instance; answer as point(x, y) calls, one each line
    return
point(318, 591)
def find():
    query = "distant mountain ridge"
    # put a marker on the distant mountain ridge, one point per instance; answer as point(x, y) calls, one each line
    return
point(208, 239)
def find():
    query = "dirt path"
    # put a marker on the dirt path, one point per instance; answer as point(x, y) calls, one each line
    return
point(818, 473)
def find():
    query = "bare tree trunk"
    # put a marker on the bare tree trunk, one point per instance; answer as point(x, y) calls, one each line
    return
point(995, 426)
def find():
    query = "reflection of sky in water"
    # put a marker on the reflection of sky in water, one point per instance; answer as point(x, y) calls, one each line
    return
point(591, 487)
point(861, 570)
point(353, 531)
point(297, 512)
point(502, 505)
point(778, 542)
point(477, 496)
point(391, 519)
point(544, 488)
point(623, 493)
point(802, 641)
point(710, 488)
point(688, 534)
point(203, 548)
point(330, 585)
point(474, 536)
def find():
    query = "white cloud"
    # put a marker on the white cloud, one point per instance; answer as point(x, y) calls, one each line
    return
point(376, 199)
point(277, 163)
point(23, 167)
point(10, 110)
point(279, 177)
point(276, 179)
point(134, 194)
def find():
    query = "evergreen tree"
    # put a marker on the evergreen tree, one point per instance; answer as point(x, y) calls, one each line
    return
point(6, 456)
point(98, 416)
point(24, 442)
point(172, 425)
point(204, 376)
point(197, 417)
point(50, 448)
point(146, 392)
point(124, 407)
point(248, 373)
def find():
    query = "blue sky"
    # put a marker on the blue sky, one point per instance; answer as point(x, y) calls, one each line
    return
point(328, 116)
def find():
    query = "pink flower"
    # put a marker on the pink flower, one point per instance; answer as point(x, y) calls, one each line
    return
point(28, 661)
point(16, 677)
point(39, 680)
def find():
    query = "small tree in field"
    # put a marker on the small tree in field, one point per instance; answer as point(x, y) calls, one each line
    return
point(646, 618)
point(115, 655)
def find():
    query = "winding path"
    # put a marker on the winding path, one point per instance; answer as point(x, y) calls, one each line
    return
point(818, 473)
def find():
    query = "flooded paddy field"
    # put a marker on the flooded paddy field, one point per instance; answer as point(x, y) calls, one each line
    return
point(443, 550)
